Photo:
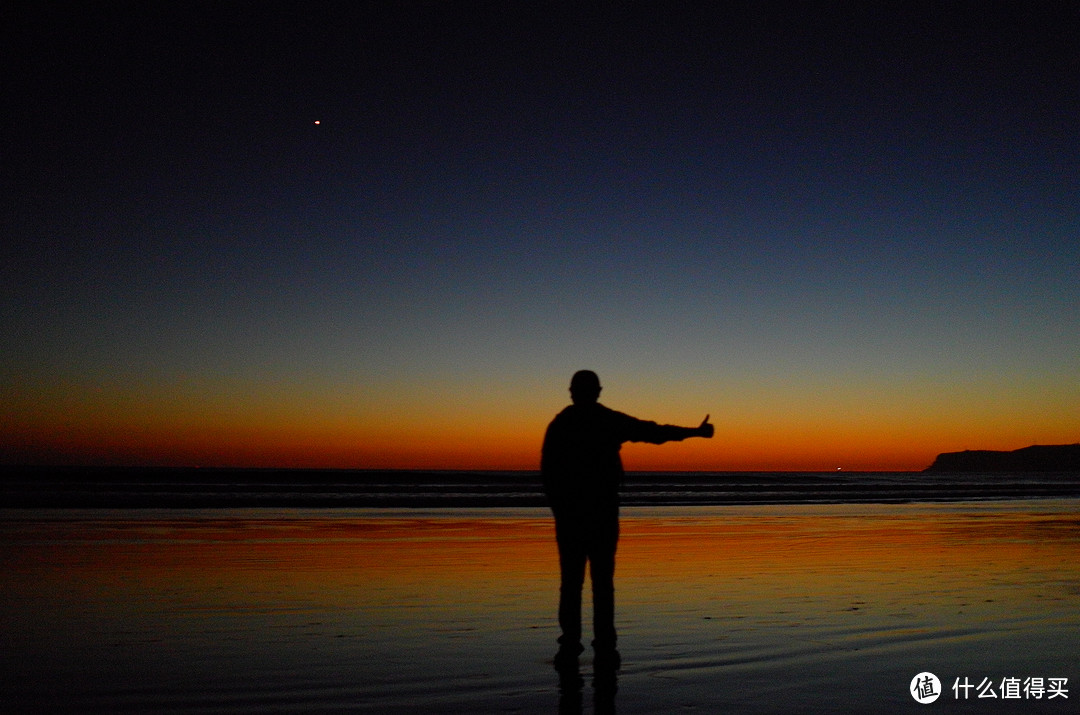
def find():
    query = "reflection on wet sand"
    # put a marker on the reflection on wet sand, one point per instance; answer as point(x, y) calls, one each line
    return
point(826, 606)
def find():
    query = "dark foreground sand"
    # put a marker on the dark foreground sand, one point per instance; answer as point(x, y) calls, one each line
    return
point(738, 609)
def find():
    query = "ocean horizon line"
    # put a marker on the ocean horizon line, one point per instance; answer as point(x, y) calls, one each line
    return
point(186, 487)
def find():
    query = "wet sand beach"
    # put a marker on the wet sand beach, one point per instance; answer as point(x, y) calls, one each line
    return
point(778, 608)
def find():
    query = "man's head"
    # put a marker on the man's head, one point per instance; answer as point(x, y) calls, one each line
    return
point(584, 387)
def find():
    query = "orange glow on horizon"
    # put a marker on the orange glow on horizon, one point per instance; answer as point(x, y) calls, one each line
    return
point(274, 448)
point(473, 435)
point(359, 449)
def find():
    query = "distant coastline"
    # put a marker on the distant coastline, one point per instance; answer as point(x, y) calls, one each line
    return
point(1036, 458)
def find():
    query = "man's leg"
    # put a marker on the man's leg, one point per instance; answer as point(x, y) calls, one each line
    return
point(572, 555)
point(602, 573)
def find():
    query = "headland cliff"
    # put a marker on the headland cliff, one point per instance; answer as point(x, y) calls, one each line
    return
point(1036, 458)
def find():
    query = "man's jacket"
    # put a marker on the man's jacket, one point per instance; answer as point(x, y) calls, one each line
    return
point(580, 463)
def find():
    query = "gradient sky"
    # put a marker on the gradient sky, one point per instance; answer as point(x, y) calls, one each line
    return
point(386, 234)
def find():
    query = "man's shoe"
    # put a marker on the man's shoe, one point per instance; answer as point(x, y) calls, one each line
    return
point(567, 657)
point(607, 659)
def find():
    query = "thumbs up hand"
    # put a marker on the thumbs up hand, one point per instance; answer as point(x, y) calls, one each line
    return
point(705, 429)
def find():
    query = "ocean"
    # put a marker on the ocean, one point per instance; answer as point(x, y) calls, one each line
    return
point(237, 591)
point(112, 487)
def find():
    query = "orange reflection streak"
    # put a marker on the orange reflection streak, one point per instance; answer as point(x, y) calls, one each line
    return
point(889, 568)
point(875, 553)
point(390, 599)
point(831, 544)
point(341, 563)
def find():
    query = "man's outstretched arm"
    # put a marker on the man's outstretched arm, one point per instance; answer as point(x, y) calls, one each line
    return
point(653, 433)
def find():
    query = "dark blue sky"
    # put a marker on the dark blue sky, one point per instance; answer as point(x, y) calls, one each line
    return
point(832, 225)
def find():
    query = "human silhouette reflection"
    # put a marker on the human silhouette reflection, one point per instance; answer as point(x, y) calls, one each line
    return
point(582, 472)
point(605, 685)
point(572, 686)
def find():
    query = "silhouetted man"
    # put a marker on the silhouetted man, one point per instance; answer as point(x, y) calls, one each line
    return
point(582, 473)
